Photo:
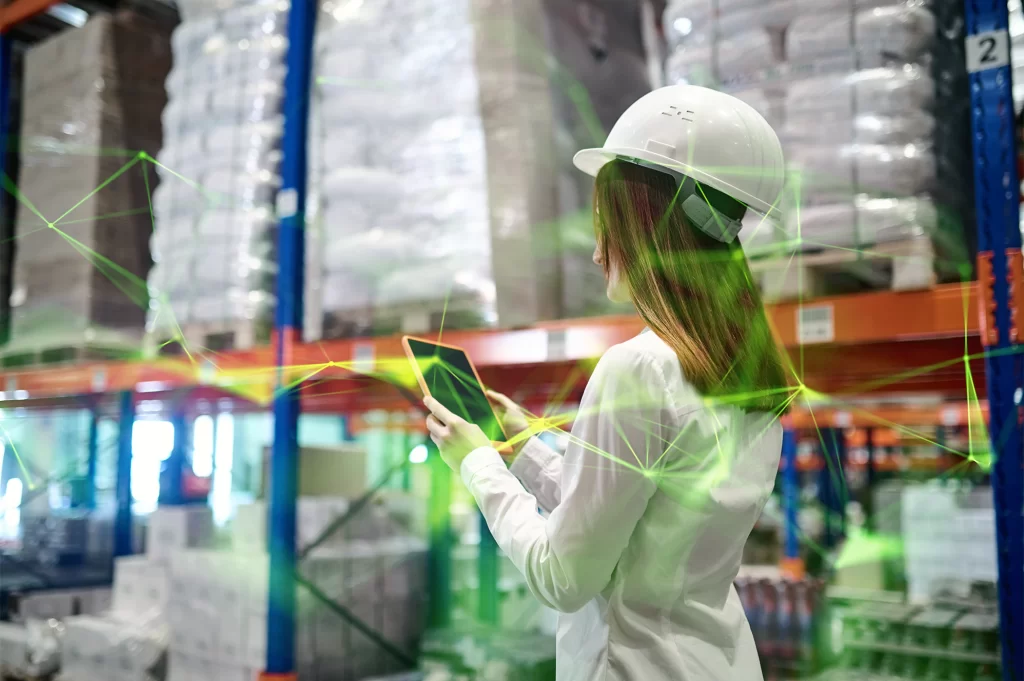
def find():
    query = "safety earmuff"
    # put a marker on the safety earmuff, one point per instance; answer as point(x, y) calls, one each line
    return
point(698, 211)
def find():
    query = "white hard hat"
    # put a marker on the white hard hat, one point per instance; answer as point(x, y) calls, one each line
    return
point(705, 136)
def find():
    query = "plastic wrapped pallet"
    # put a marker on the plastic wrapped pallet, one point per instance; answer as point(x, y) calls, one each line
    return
point(110, 649)
point(29, 651)
point(91, 105)
point(215, 224)
point(868, 99)
point(428, 205)
point(400, 223)
point(597, 69)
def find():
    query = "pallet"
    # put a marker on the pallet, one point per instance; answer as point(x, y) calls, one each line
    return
point(895, 266)
point(93, 345)
point(213, 337)
point(411, 319)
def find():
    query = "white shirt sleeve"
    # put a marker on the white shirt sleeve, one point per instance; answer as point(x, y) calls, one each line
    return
point(618, 436)
point(539, 468)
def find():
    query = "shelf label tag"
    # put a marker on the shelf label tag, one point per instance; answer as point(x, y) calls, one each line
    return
point(99, 380)
point(287, 203)
point(363, 358)
point(11, 385)
point(815, 324)
point(950, 416)
point(988, 50)
point(556, 345)
point(842, 419)
point(207, 372)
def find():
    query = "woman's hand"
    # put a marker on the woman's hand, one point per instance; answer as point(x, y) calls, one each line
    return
point(513, 417)
point(454, 436)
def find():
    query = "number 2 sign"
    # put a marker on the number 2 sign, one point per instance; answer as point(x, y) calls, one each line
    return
point(987, 50)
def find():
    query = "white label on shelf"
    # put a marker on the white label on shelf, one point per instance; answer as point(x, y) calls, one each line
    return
point(556, 345)
point(988, 50)
point(363, 358)
point(287, 203)
point(950, 416)
point(12, 384)
point(99, 380)
point(815, 324)
point(842, 419)
point(207, 372)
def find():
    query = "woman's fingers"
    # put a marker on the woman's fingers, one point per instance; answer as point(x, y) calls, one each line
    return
point(441, 412)
point(436, 428)
point(502, 400)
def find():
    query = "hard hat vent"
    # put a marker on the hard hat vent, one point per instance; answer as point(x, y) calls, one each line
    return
point(676, 112)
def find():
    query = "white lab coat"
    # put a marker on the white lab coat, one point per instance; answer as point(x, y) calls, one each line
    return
point(649, 512)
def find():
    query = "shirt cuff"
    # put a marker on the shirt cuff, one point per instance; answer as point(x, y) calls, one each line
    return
point(530, 458)
point(478, 460)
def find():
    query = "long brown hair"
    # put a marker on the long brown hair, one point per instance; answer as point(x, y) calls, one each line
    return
point(694, 292)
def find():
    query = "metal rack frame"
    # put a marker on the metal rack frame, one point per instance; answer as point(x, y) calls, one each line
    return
point(1001, 288)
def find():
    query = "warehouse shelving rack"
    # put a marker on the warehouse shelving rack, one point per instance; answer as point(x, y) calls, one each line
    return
point(889, 341)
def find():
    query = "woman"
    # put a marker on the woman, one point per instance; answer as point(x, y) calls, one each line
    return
point(676, 444)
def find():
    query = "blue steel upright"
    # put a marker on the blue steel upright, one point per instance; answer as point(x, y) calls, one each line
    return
point(1001, 289)
point(790, 496)
point(288, 327)
point(123, 491)
point(92, 452)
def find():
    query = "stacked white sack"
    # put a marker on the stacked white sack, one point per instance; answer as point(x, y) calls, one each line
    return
point(400, 223)
point(214, 241)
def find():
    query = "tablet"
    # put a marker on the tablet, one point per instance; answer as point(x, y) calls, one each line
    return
point(446, 373)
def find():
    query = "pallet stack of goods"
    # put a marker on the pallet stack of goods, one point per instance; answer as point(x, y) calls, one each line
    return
point(462, 207)
point(402, 223)
point(869, 100)
point(597, 64)
point(130, 642)
point(91, 105)
point(215, 222)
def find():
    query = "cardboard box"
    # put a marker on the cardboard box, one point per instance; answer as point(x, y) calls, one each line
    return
point(327, 472)
point(172, 529)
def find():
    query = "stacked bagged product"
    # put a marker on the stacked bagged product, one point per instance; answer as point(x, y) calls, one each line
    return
point(431, 168)
point(597, 68)
point(91, 105)
point(214, 242)
point(869, 100)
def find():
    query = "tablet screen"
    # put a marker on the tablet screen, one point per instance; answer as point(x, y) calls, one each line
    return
point(451, 381)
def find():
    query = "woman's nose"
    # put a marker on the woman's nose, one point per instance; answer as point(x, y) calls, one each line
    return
point(597, 256)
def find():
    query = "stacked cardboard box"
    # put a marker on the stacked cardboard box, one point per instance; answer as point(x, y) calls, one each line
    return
point(129, 643)
point(218, 611)
point(92, 102)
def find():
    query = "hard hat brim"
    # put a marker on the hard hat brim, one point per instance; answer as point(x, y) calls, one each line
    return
point(590, 161)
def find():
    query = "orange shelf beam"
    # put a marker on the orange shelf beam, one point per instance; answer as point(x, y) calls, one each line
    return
point(13, 13)
point(876, 336)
